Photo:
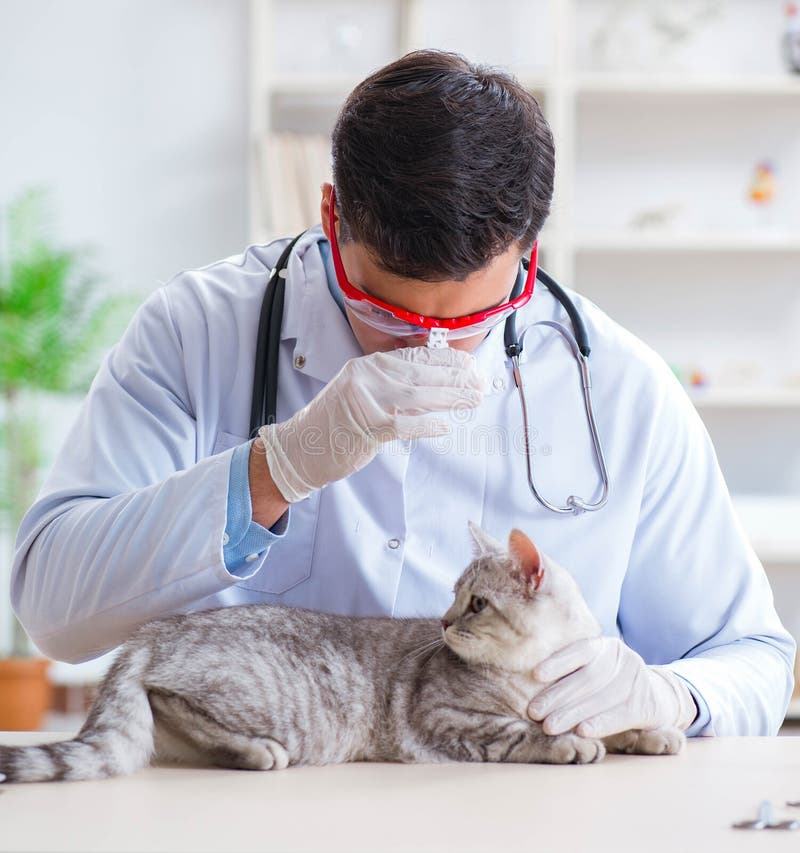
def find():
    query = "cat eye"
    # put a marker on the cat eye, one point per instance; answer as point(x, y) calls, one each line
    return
point(477, 603)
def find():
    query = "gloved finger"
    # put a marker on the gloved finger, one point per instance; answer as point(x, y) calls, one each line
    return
point(416, 427)
point(446, 356)
point(423, 399)
point(567, 717)
point(401, 375)
point(435, 367)
point(567, 691)
point(568, 659)
point(611, 721)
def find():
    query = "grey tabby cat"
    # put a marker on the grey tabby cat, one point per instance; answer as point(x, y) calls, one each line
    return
point(262, 687)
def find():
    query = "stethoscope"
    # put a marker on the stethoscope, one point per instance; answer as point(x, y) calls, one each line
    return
point(265, 378)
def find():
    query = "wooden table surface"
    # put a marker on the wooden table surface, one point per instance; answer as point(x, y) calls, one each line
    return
point(627, 803)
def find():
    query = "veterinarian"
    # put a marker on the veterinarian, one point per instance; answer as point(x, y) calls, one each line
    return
point(356, 501)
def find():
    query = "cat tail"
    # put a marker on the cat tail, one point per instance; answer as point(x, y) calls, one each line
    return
point(117, 737)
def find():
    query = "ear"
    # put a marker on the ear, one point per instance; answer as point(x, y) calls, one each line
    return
point(483, 543)
point(325, 208)
point(527, 557)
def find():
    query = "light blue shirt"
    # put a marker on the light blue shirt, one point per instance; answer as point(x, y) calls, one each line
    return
point(146, 512)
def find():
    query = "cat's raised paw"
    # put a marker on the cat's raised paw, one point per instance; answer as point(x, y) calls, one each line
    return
point(573, 749)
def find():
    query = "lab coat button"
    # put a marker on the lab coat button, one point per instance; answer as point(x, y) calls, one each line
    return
point(250, 557)
point(300, 361)
point(393, 544)
point(225, 538)
point(499, 383)
point(282, 273)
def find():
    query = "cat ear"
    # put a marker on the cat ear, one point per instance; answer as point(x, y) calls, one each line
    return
point(483, 543)
point(527, 557)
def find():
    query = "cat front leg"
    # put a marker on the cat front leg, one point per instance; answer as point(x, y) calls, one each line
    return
point(460, 736)
point(667, 741)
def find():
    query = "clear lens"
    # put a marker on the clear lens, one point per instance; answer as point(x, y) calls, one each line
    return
point(384, 321)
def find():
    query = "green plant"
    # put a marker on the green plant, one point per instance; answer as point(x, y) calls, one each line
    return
point(53, 325)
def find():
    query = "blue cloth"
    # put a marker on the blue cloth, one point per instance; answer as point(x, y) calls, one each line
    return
point(703, 717)
point(246, 537)
point(330, 271)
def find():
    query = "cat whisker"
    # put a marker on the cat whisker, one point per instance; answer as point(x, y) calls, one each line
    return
point(440, 645)
point(420, 650)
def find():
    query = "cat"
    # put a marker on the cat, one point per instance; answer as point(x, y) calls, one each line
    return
point(263, 687)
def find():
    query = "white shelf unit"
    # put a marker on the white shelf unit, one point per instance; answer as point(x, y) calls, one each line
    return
point(709, 282)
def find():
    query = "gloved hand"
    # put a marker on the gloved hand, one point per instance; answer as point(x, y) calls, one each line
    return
point(603, 687)
point(373, 399)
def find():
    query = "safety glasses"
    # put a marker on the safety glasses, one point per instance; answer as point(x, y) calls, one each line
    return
point(398, 322)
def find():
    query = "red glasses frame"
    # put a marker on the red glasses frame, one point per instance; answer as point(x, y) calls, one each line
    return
point(352, 292)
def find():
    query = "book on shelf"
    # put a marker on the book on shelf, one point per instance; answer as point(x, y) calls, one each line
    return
point(292, 166)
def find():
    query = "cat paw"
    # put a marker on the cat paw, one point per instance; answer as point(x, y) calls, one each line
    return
point(651, 742)
point(254, 754)
point(276, 756)
point(573, 749)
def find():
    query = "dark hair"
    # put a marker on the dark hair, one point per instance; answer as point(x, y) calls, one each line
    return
point(440, 165)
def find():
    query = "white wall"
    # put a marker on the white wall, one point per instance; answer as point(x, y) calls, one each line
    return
point(134, 112)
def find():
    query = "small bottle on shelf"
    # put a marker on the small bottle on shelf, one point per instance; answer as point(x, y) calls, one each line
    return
point(791, 38)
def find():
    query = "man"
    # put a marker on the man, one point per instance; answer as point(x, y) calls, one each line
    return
point(357, 499)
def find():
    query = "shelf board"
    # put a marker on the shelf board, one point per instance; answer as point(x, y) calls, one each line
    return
point(615, 84)
point(334, 84)
point(586, 85)
point(533, 81)
point(646, 241)
point(314, 84)
point(745, 398)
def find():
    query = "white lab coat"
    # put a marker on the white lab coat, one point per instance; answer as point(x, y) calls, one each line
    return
point(130, 522)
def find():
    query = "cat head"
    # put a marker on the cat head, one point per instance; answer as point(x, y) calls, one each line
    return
point(514, 606)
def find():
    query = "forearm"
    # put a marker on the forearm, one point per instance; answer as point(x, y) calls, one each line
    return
point(267, 502)
point(88, 571)
point(746, 685)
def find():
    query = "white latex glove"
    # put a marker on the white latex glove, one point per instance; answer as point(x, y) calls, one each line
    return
point(373, 399)
point(603, 687)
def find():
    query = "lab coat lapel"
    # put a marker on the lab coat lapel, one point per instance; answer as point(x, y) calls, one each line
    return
point(323, 338)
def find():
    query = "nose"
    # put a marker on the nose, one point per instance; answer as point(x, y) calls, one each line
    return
point(445, 624)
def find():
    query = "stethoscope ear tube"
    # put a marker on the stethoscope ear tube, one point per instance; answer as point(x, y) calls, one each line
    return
point(578, 342)
point(579, 329)
point(513, 345)
point(265, 377)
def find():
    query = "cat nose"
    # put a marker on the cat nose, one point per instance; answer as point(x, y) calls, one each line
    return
point(445, 624)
